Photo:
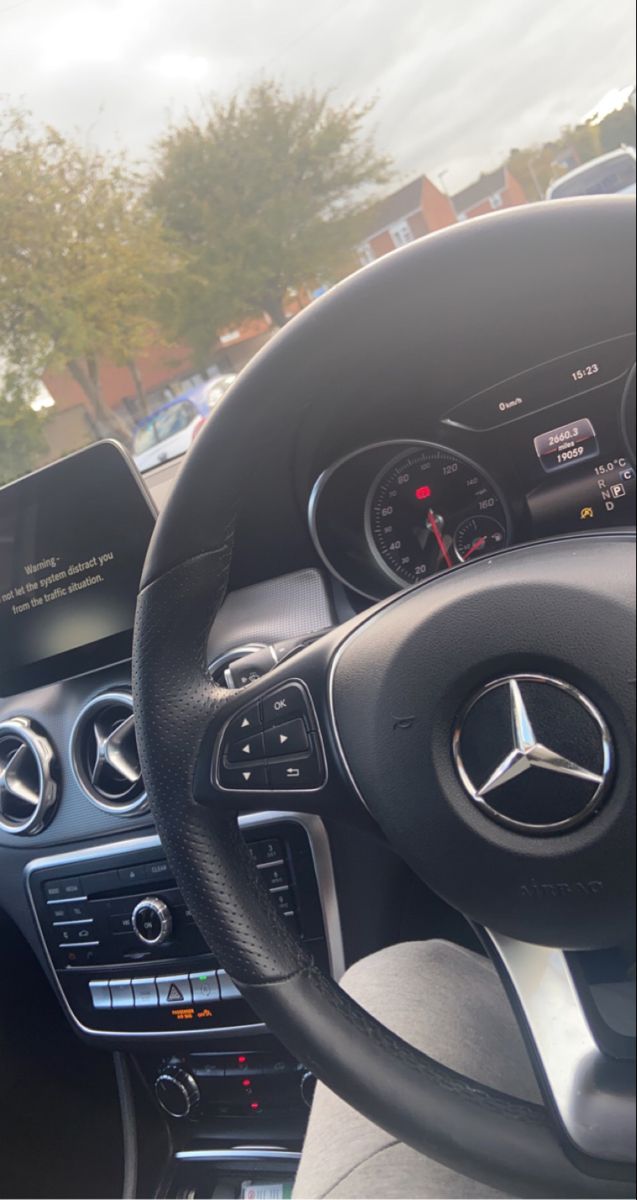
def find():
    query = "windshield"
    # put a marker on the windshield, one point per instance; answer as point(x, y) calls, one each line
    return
point(603, 178)
point(178, 182)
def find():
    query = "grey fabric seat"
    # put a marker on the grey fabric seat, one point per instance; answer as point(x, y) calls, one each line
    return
point(450, 1003)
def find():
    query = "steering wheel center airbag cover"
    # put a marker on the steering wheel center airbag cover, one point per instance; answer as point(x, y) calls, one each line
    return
point(563, 614)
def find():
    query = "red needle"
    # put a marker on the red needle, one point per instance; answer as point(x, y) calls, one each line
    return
point(477, 545)
point(433, 525)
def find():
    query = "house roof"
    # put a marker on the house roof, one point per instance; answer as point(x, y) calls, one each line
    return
point(483, 187)
point(392, 208)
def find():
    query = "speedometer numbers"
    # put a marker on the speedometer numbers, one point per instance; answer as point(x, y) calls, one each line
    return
point(430, 509)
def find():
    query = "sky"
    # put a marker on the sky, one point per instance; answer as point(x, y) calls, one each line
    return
point(457, 83)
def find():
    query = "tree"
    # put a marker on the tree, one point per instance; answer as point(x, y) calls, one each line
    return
point(22, 441)
point(262, 194)
point(82, 260)
point(618, 128)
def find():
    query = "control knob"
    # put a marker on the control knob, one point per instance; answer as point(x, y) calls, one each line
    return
point(152, 921)
point(177, 1091)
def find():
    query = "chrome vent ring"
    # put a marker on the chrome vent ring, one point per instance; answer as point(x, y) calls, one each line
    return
point(104, 754)
point(28, 771)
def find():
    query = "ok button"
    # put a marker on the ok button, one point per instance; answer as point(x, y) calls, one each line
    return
point(248, 750)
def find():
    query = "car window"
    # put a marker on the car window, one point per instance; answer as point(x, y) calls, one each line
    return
point(178, 182)
point(174, 420)
point(144, 438)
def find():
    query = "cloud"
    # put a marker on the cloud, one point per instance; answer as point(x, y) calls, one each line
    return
point(457, 85)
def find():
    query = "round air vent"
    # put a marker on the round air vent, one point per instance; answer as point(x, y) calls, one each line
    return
point(28, 788)
point(104, 754)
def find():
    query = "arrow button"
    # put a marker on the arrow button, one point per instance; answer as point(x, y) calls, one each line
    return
point(245, 725)
point(243, 779)
point(287, 739)
point(246, 750)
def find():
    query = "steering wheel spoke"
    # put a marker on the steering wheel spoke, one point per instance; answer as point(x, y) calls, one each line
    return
point(589, 1091)
point(270, 745)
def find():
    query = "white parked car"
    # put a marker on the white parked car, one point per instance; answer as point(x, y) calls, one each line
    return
point(610, 174)
point(168, 432)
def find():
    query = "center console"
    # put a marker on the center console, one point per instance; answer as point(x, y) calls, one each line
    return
point(131, 966)
point(125, 952)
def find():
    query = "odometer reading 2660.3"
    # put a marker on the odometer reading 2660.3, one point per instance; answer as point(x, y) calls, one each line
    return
point(430, 509)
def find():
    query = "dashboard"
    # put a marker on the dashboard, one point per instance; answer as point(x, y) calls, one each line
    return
point(393, 490)
point(548, 451)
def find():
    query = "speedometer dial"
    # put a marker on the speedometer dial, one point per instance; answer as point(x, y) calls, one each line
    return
point(420, 511)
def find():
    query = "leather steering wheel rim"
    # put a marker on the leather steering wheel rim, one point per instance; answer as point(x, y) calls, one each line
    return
point(502, 1141)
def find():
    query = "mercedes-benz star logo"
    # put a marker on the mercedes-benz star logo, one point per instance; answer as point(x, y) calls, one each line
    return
point(533, 753)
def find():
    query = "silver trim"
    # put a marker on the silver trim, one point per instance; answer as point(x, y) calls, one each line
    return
point(598, 1118)
point(124, 808)
point(321, 858)
point(187, 1085)
point(527, 752)
point(300, 683)
point(232, 655)
point(315, 495)
point(43, 806)
point(162, 912)
point(269, 1153)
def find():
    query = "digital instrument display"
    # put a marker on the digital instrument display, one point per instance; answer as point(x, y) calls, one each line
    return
point(567, 445)
point(73, 538)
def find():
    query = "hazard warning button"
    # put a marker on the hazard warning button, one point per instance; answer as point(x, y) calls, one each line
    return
point(173, 989)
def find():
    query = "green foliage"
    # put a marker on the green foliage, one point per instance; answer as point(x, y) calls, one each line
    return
point(22, 440)
point(82, 259)
point(535, 167)
point(618, 129)
point(261, 195)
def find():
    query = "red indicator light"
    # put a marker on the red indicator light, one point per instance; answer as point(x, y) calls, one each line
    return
point(241, 1059)
point(246, 1083)
point(423, 493)
point(255, 1106)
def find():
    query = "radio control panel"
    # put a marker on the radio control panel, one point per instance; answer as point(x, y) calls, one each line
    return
point(127, 956)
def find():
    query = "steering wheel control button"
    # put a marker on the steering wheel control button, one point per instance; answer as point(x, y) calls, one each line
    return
point(174, 990)
point(283, 754)
point(100, 994)
point(534, 754)
point(245, 725)
point(301, 775)
point(151, 921)
point(246, 750)
point(204, 986)
point(284, 740)
point(144, 993)
point(285, 703)
point(246, 779)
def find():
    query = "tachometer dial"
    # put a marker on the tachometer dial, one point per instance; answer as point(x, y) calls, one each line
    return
point(478, 536)
point(419, 509)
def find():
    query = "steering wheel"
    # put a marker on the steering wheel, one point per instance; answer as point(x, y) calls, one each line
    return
point(544, 629)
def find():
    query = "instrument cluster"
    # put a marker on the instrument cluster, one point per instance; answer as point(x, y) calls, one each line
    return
point(550, 451)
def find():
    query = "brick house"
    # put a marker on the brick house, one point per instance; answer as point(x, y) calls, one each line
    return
point(414, 210)
point(499, 189)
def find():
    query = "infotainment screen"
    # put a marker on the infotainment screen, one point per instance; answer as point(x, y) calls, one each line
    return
point(73, 538)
